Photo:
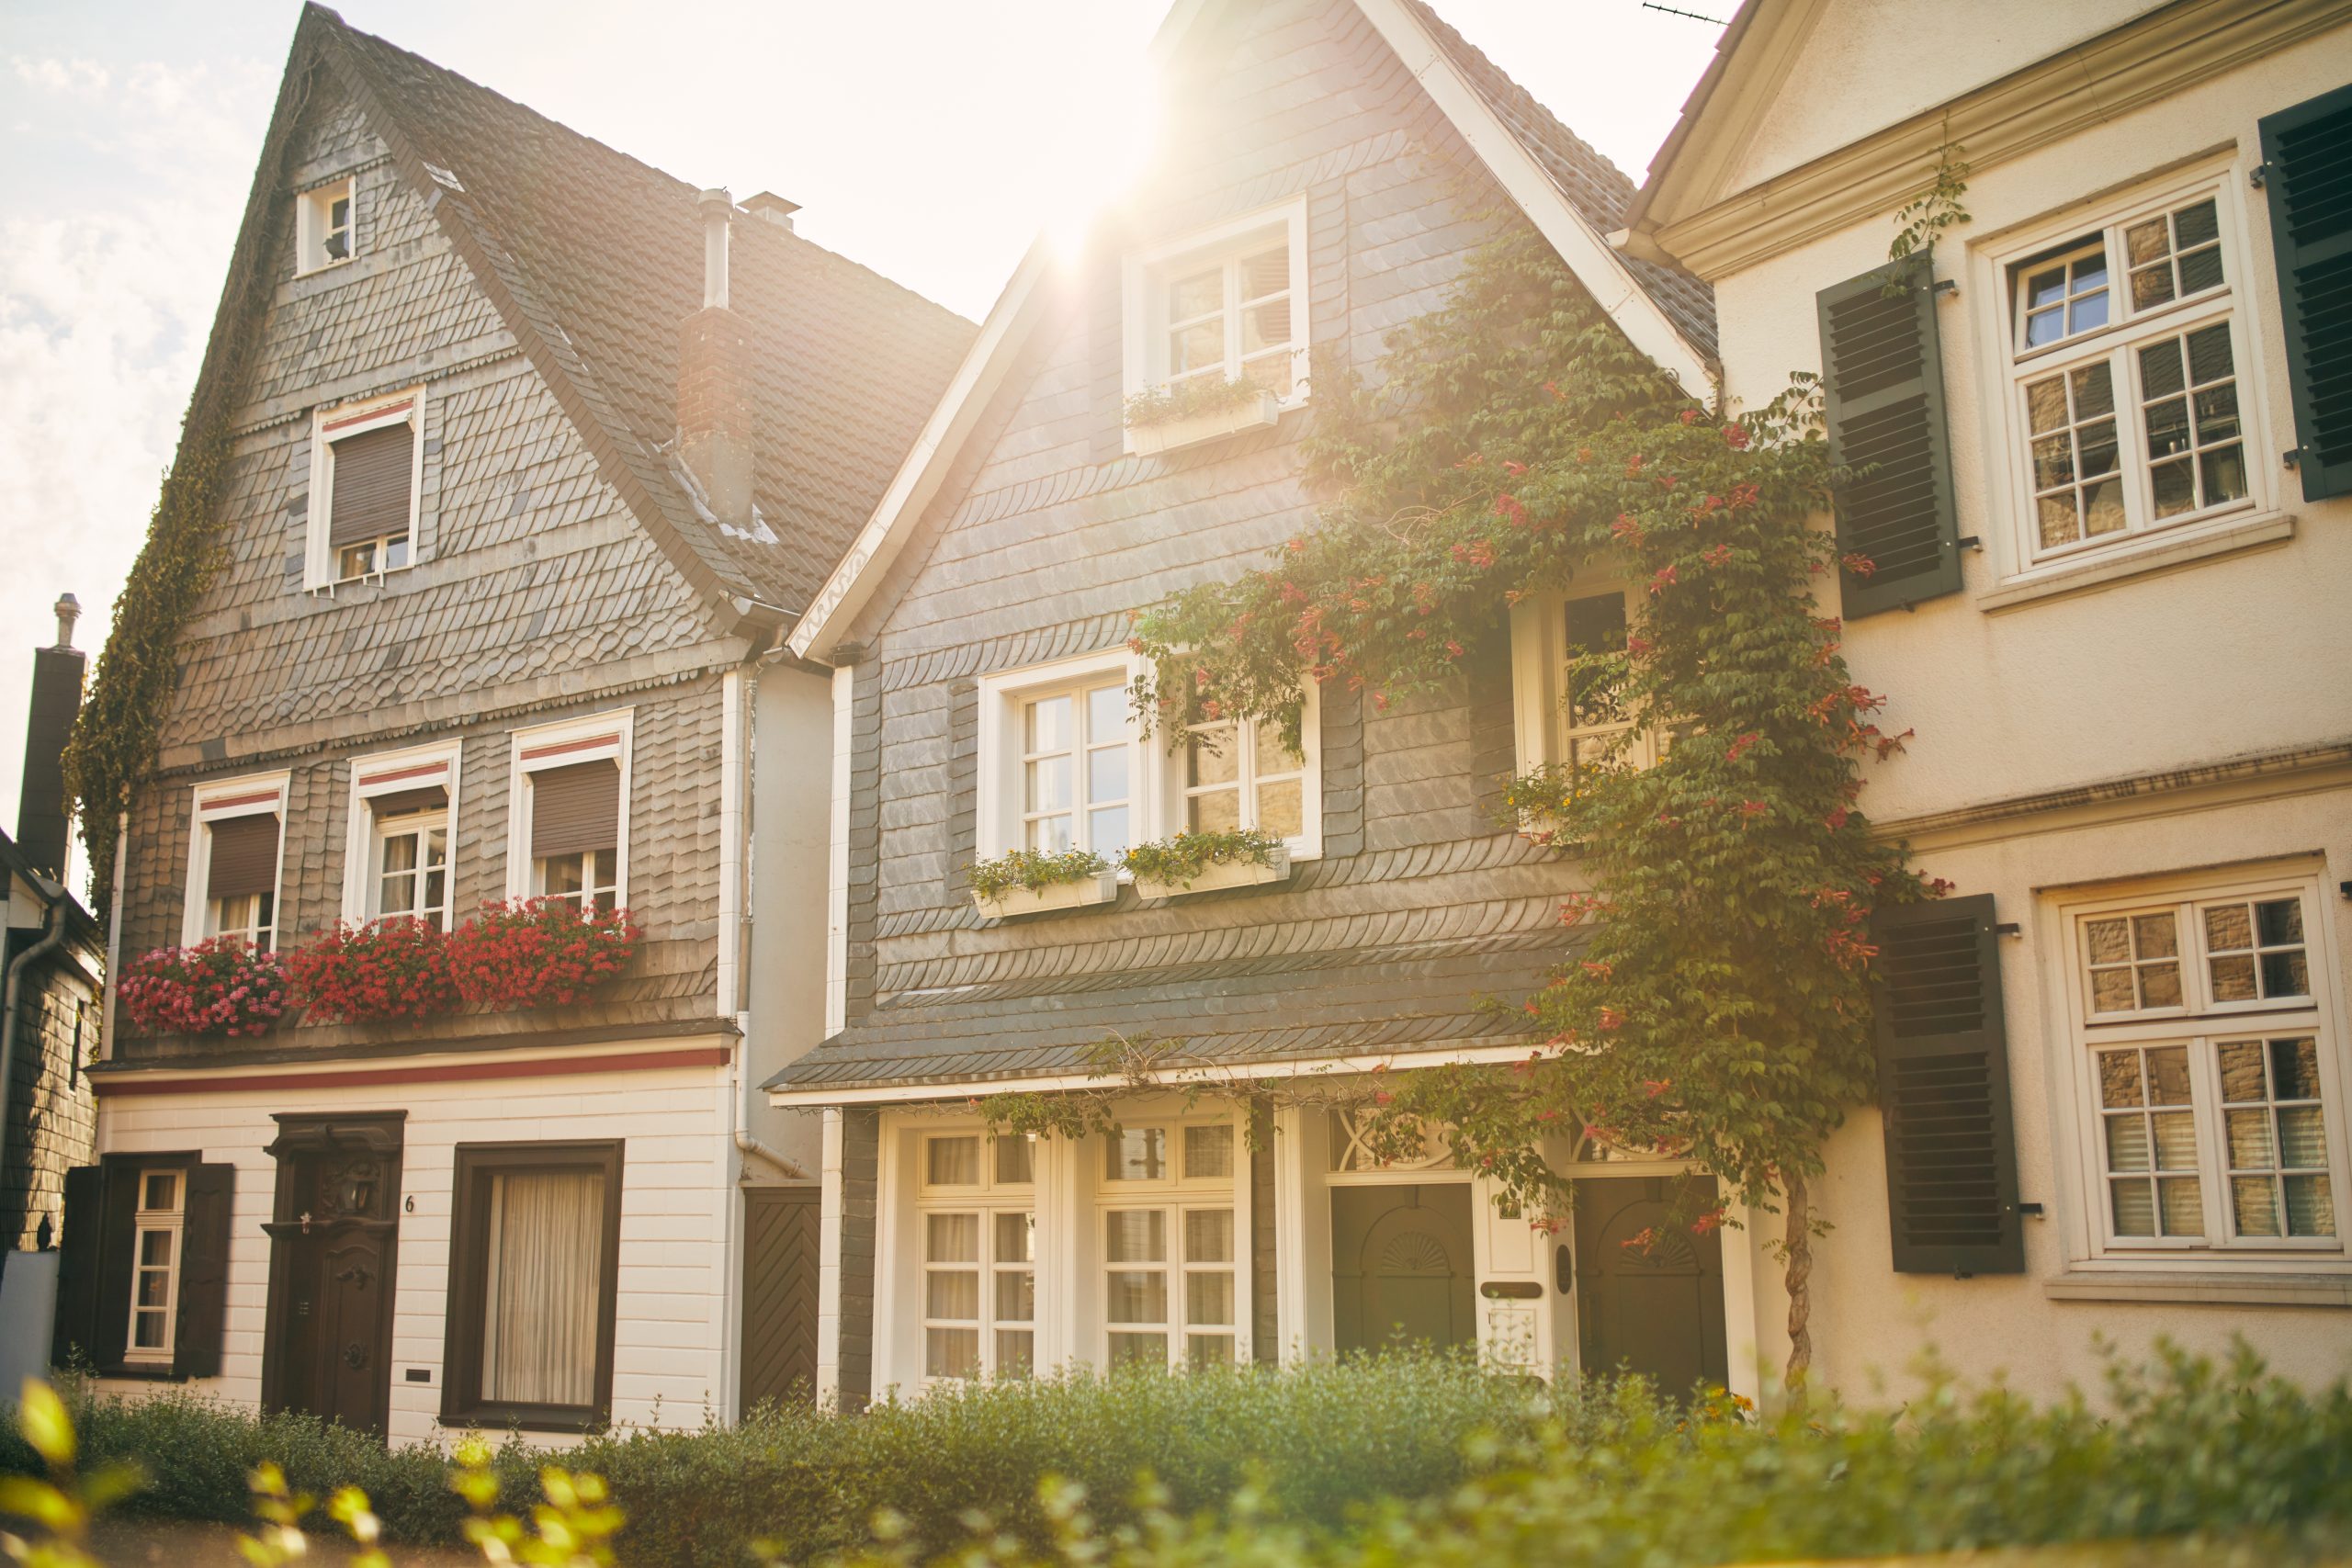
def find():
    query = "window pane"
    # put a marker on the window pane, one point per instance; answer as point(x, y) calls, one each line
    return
point(2103, 506)
point(1016, 1160)
point(163, 1189)
point(2160, 985)
point(1196, 295)
point(1106, 773)
point(2294, 1068)
point(2311, 1206)
point(2181, 1202)
point(2053, 462)
point(2135, 1209)
point(2046, 288)
point(1138, 1349)
point(2227, 927)
point(952, 1352)
point(2154, 936)
point(1050, 834)
point(2175, 1140)
point(1193, 347)
point(2242, 1073)
point(952, 1162)
point(1208, 1350)
point(2250, 1140)
point(1106, 715)
point(1208, 1153)
point(1279, 809)
point(1212, 757)
point(2217, 413)
point(2254, 1203)
point(543, 1287)
point(400, 852)
point(155, 1287)
point(1016, 1238)
point(1208, 1298)
point(2168, 1076)
point(951, 1293)
point(1016, 1296)
point(1136, 1236)
point(2160, 373)
point(1048, 785)
point(2045, 404)
point(1219, 812)
point(2302, 1139)
point(1208, 1235)
point(1046, 725)
point(2111, 990)
point(2145, 242)
point(1106, 833)
point(1265, 326)
point(2109, 940)
point(2127, 1144)
point(2200, 270)
point(155, 1249)
point(1016, 1353)
point(1138, 1296)
point(2175, 490)
point(2152, 287)
point(1138, 1154)
point(2197, 225)
point(147, 1330)
point(2118, 1077)
point(1266, 273)
point(951, 1238)
point(2209, 353)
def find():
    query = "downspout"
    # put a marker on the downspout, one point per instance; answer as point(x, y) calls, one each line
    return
point(114, 938)
point(53, 932)
point(734, 859)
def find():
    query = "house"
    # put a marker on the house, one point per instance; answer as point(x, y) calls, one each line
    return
point(2108, 497)
point(51, 962)
point(1331, 164)
point(532, 453)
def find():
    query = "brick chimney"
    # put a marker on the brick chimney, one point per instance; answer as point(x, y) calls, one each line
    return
point(44, 832)
point(714, 381)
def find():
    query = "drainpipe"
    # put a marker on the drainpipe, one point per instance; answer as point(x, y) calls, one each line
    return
point(734, 887)
point(53, 933)
point(114, 938)
point(750, 1146)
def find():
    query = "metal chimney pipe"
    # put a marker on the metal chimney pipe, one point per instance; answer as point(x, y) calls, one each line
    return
point(718, 211)
point(69, 610)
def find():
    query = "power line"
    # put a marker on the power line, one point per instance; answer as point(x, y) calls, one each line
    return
point(1672, 11)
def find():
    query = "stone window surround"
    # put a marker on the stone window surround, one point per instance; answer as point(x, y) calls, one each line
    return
point(390, 773)
point(609, 734)
point(248, 795)
point(357, 418)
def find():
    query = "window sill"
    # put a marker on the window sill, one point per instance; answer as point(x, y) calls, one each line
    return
point(1013, 901)
point(2209, 1288)
point(2142, 561)
point(1219, 877)
point(1149, 439)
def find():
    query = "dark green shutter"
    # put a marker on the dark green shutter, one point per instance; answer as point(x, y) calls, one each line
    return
point(204, 1271)
point(78, 1251)
point(1943, 1069)
point(1883, 380)
point(2307, 159)
point(117, 1239)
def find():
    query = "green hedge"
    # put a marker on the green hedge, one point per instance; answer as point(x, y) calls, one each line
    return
point(1397, 1461)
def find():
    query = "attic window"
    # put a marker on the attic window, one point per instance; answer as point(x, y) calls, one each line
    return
point(1223, 307)
point(324, 227)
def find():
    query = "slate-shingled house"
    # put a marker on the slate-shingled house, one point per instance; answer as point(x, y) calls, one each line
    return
point(1329, 159)
point(537, 452)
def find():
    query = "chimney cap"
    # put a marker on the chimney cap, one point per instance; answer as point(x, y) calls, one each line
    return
point(716, 197)
point(69, 610)
point(772, 207)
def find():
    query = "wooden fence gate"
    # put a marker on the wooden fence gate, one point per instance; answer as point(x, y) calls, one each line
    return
point(780, 1258)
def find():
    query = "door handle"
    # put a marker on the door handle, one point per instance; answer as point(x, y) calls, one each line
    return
point(1564, 1269)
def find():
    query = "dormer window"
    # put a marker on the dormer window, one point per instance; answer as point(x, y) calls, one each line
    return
point(323, 226)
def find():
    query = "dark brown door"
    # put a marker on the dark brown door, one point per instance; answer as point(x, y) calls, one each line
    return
point(1649, 1292)
point(1401, 1266)
point(334, 1245)
point(780, 1258)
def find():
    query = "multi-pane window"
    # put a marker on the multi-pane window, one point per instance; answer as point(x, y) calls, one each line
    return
point(232, 888)
point(979, 1220)
point(364, 484)
point(2127, 392)
point(411, 856)
point(1077, 769)
point(156, 1235)
point(1228, 315)
point(2211, 1076)
point(533, 1273)
point(1168, 1246)
point(569, 838)
point(1595, 718)
point(1239, 777)
point(323, 226)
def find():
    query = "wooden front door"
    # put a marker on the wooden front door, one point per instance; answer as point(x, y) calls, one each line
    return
point(780, 1263)
point(1402, 1267)
point(1654, 1305)
point(334, 1250)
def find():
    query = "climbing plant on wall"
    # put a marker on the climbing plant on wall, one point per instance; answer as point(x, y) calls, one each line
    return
point(1713, 994)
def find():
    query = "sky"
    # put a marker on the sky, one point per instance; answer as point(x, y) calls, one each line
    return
point(931, 140)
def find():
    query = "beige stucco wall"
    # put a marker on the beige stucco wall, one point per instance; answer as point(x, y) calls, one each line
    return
point(2145, 679)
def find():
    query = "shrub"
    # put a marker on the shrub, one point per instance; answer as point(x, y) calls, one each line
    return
point(385, 970)
point(218, 987)
point(1183, 856)
point(1035, 870)
point(538, 953)
point(1189, 400)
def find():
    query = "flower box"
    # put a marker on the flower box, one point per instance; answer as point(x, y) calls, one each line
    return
point(1167, 436)
point(1217, 875)
point(538, 953)
point(218, 987)
point(1099, 888)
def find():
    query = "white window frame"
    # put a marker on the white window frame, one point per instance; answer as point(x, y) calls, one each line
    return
point(314, 219)
point(1305, 844)
point(172, 1221)
point(319, 570)
point(1147, 273)
point(2199, 1025)
point(1000, 828)
point(390, 772)
point(2001, 278)
point(598, 736)
point(987, 1199)
point(249, 794)
point(1539, 677)
point(1173, 1195)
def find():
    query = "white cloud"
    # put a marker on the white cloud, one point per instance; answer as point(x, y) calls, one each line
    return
point(82, 78)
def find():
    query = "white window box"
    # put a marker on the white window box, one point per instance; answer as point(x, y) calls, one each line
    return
point(1218, 875)
point(1149, 440)
point(1100, 889)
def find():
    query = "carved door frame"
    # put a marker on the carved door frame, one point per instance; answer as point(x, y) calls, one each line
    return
point(363, 1199)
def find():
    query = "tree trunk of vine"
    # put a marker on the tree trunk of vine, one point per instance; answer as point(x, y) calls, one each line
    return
point(1797, 1256)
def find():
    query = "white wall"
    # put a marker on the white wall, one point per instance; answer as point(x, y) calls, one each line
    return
point(792, 781)
point(675, 1178)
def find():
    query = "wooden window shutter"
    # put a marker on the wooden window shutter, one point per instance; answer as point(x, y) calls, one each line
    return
point(575, 808)
point(204, 1271)
point(2307, 158)
point(372, 475)
point(1943, 1076)
point(80, 1249)
point(1883, 384)
point(244, 856)
point(118, 1234)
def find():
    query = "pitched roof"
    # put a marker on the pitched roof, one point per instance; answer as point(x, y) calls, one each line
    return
point(596, 261)
point(1239, 1015)
point(1572, 194)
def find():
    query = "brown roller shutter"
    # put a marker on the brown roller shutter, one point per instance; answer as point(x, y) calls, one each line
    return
point(401, 802)
point(244, 856)
point(372, 484)
point(575, 808)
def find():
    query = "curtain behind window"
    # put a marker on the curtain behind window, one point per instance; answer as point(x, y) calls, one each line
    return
point(544, 1271)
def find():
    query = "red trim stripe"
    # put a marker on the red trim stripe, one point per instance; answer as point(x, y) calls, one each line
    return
point(418, 771)
point(223, 802)
point(536, 753)
point(388, 409)
point(446, 1072)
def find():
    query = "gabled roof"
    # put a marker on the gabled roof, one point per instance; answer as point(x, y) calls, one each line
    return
point(594, 260)
point(1572, 195)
